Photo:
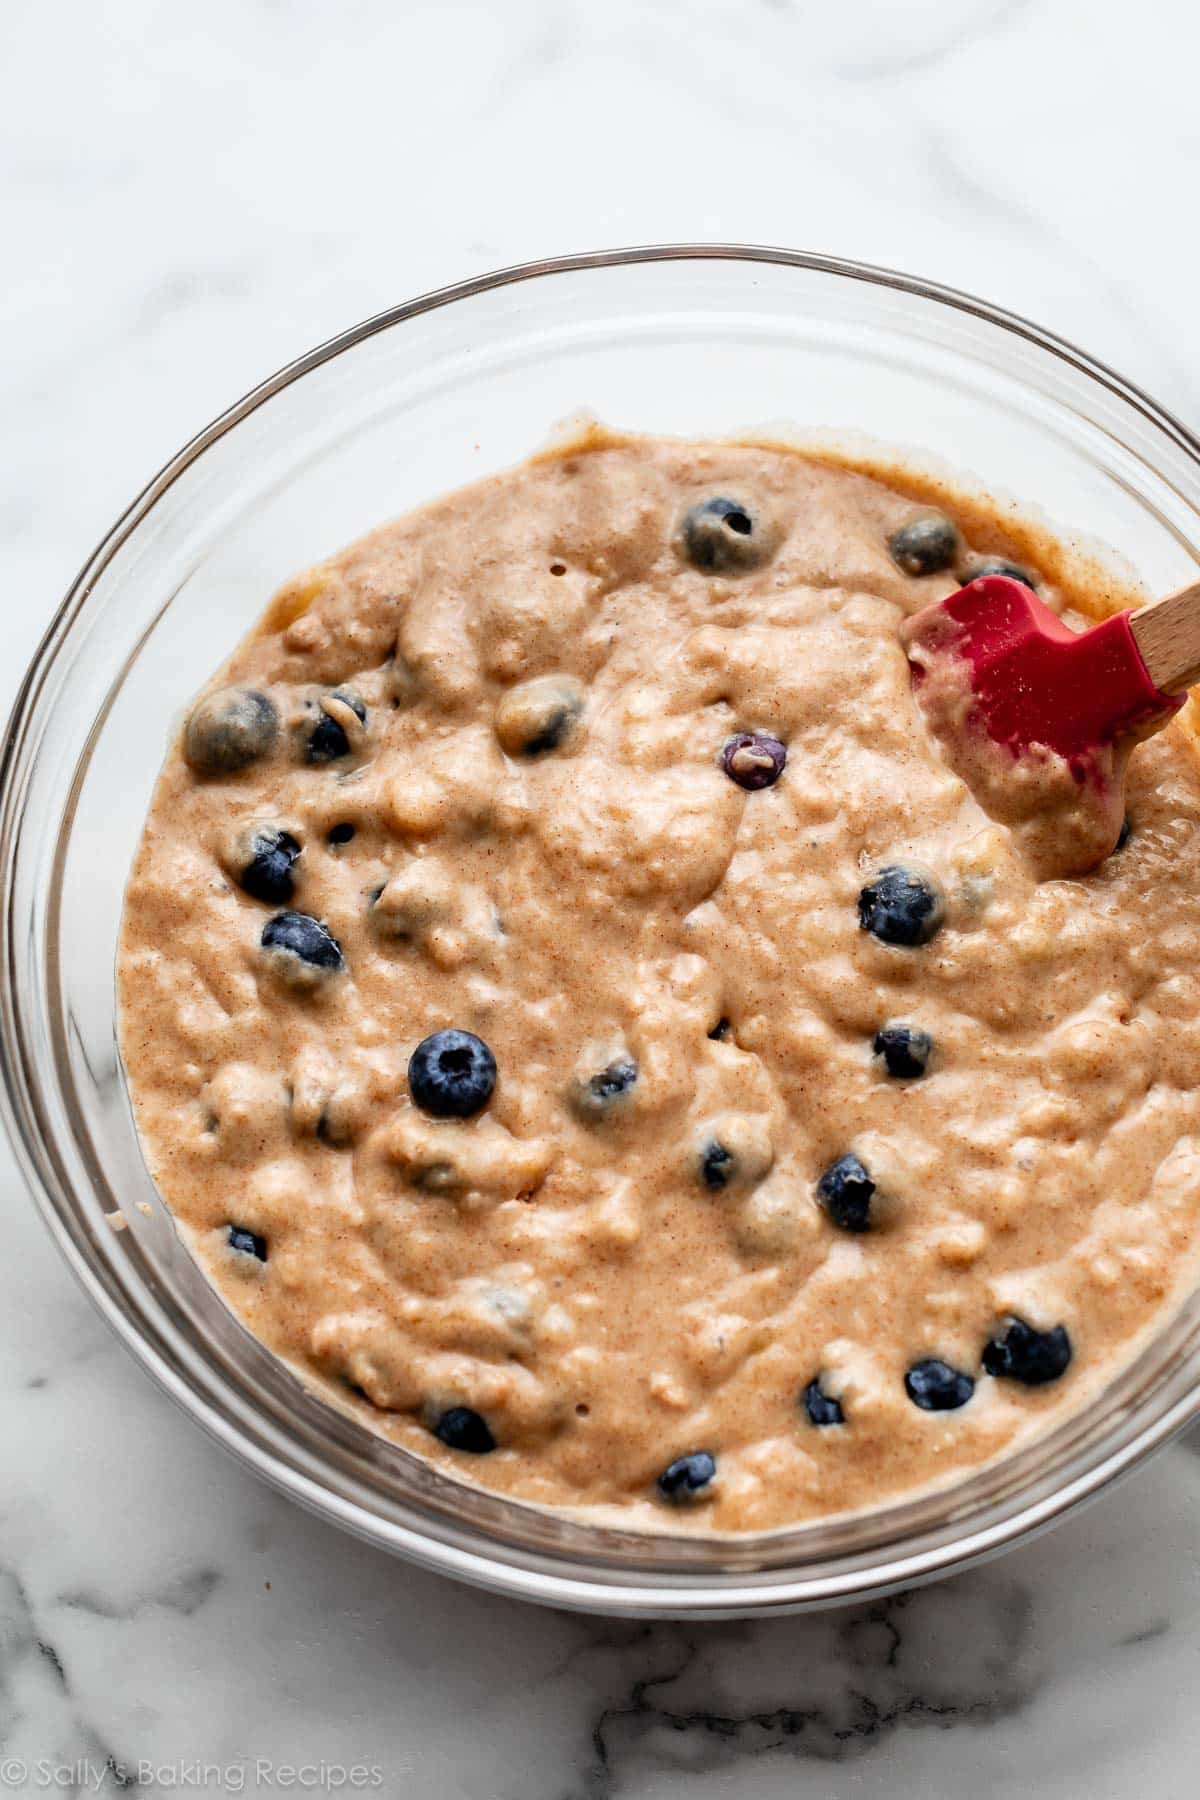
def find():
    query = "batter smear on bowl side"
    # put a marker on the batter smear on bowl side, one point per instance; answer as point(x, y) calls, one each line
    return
point(577, 1018)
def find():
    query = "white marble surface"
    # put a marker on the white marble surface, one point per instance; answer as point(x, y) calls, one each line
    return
point(192, 194)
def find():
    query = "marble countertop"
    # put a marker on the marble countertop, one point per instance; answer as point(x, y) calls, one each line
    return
point(192, 195)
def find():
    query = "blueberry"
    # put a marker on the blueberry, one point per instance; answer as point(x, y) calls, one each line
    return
point(901, 905)
point(822, 1408)
point(845, 1191)
point(339, 834)
point(687, 1476)
point(461, 1429)
point(1029, 1356)
point(247, 1242)
point(935, 1387)
point(720, 1031)
point(327, 741)
point(925, 546)
point(602, 1092)
point(905, 1051)
point(733, 1151)
point(720, 535)
point(297, 938)
point(539, 715)
point(451, 1074)
point(554, 732)
point(230, 729)
point(717, 1165)
point(1123, 835)
point(1000, 565)
point(268, 874)
point(754, 759)
point(557, 731)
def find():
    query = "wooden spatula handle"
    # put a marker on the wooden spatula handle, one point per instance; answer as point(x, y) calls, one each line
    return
point(1168, 635)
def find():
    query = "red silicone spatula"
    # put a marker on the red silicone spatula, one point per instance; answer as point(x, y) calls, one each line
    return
point(1036, 683)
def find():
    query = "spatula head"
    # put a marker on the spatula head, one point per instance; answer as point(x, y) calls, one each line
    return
point(1033, 680)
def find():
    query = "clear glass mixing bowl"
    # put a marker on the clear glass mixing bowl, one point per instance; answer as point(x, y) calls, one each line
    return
point(688, 339)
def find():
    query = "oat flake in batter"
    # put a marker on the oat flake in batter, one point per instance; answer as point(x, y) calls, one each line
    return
point(795, 1147)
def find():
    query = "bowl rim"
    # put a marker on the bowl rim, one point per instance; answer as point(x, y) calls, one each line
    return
point(694, 1595)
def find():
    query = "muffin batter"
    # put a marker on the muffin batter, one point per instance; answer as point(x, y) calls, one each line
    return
point(578, 1019)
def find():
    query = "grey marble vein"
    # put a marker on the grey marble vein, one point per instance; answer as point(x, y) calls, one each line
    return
point(956, 27)
point(30, 1695)
point(184, 1594)
point(676, 1712)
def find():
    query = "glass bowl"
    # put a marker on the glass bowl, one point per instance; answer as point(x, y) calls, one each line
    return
point(687, 339)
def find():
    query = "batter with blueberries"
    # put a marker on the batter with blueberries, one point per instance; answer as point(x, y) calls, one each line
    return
point(577, 1018)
